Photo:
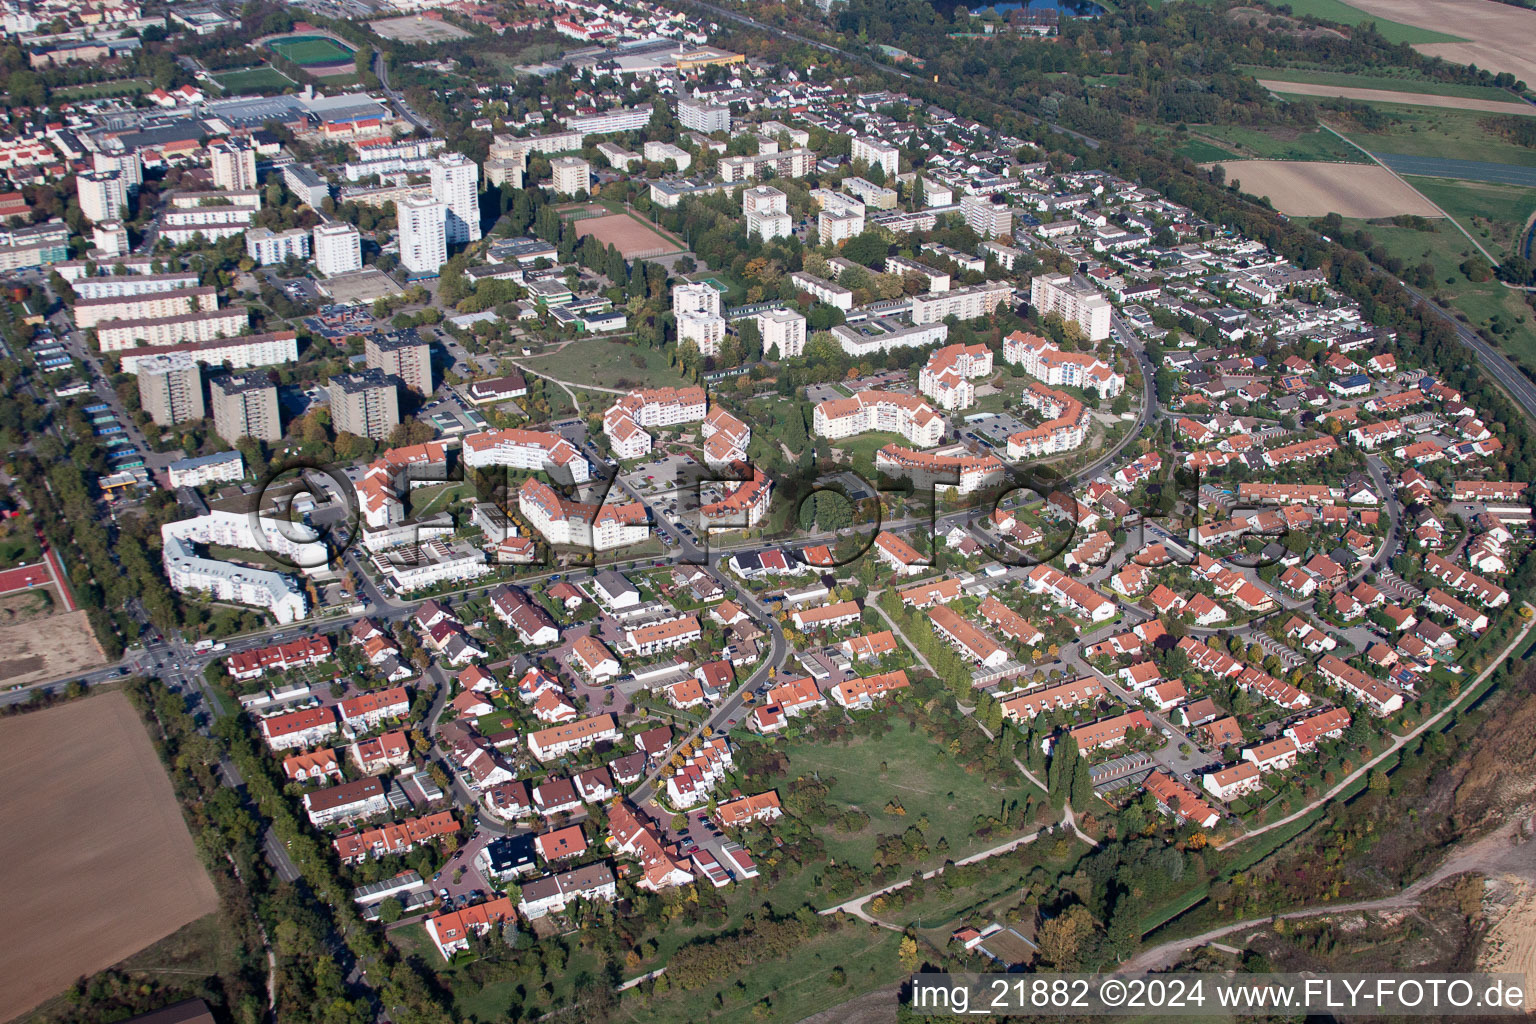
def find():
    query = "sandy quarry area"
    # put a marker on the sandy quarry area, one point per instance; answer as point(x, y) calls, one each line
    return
point(1416, 99)
point(95, 857)
point(1302, 188)
point(1510, 944)
point(1499, 36)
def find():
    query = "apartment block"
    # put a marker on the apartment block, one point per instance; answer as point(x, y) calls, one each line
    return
point(366, 404)
point(171, 389)
point(245, 406)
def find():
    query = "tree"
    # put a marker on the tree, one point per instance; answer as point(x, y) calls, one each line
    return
point(390, 910)
point(1062, 937)
point(906, 953)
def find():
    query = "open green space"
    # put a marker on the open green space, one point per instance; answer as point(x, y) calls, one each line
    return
point(1206, 142)
point(906, 766)
point(607, 363)
point(1407, 82)
point(1344, 14)
point(1486, 304)
point(1482, 207)
point(1433, 131)
point(252, 80)
point(97, 90)
point(307, 51)
point(861, 448)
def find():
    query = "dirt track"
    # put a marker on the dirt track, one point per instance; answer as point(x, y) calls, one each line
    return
point(1311, 189)
point(1498, 36)
point(1417, 99)
point(96, 858)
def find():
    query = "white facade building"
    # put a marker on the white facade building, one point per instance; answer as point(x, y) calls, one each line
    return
point(267, 247)
point(1084, 306)
point(338, 248)
point(782, 330)
point(767, 212)
point(877, 153)
point(423, 234)
point(456, 184)
point(571, 174)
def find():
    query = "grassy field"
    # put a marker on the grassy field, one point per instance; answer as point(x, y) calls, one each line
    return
point(609, 364)
point(1445, 249)
point(908, 767)
point(252, 80)
point(1499, 211)
point(96, 90)
point(1344, 14)
point(307, 50)
point(1426, 131)
point(1406, 83)
point(862, 447)
point(1201, 152)
point(795, 987)
point(1276, 144)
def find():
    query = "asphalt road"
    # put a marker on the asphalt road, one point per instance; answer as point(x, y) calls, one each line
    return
point(1509, 376)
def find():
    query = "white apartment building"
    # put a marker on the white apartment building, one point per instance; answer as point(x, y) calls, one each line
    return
point(782, 330)
point(699, 116)
point(423, 234)
point(986, 218)
point(590, 527)
point(946, 377)
point(221, 467)
point(571, 174)
point(117, 286)
point(962, 303)
point(127, 164)
point(1079, 304)
point(186, 570)
point(456, 184)
point(705, 330)
point(935, 194)
point(1041, 359)
point(267, 247)
point(696, 297)
point(338, 248)
point(526, 449)
point(166, 302)
point(877, 153)
point(870, 194)
point(103, 194)
point(187, 328)
point(767, 212)
point(110, 237)
point(234, 164)
point(661, 152)
point(822, 290)
point(837, 226)
point(788, 163)
point(611, 122)
point(907, 415)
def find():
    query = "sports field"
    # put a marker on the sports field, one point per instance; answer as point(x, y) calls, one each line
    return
point(96, 858)
point(252, 80)
point(308, 51)
point(1313, 189)
point(633, 237)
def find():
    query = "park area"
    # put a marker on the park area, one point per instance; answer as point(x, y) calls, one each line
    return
point(633, 237)
point(97, 858)
point(1314, 189)
point(605, 364)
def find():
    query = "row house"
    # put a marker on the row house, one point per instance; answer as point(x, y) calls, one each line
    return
point(797, 697)
point(365, 711)
point(1009, 622)
point(1465, 581)
point(381, 753)
point(306, 727)
point(451, 932)
point(311, 766)
point(1381, 698)
point(656, 637)
point(535, 626)
point(248, 665)
point(562, 740)
point(1109, 732)
point(1074, 595)
point(1325, 725)
point(971, 642)
point(347, 802)
point(1228, 784)
point(691, 783)
point(552, 894)
point(1177, 799)
point(356, 847)
point(1274, 756)
point(742, 810)
point(831, 616)
point(862, 693)
point(632, 833)
point(1027, 706)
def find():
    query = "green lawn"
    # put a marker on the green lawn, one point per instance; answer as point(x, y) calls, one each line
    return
point(307, 51)
point(611, 364)
point(908, 767)
point(1333, 10)
point(1277, 144)
point(1432, 131)
point(1201, 152)
point(96, 90)
point(1507, 205)
point(862, 447)
point(252, 80)
point(1406, 83)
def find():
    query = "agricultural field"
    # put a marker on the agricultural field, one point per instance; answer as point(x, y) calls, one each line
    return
point(1490, 35)
point(1407, 81)
point(605, 363)
point(1303, 189)
point(1276, 143)
point(257, 79)
point(1392, 96)
point(95, 846)
point(1431, 132)
point(1396, 28)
